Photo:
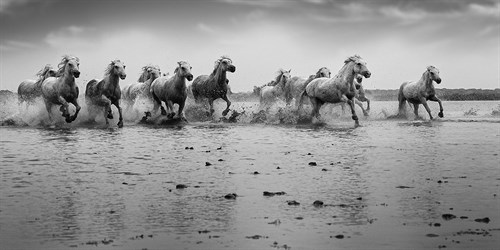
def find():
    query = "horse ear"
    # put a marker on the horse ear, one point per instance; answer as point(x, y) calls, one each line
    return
point(290, 70)
point(179, 63)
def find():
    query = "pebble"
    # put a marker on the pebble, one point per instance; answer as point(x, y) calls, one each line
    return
point(483, 220)
point(270, 194)
point(313, 163)
point(208, 163)
point(293, 203)
point(180, 186)
point(448, 216)
point(231, 196)
point(318, 203)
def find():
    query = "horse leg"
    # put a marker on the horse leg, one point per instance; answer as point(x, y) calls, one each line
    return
point(353, 111)
point(120, 119)
point(424, 102)
point(415, 111)
point(434, 98)
point(170, 107)
point(64, 109)
point(211, 104)
point(360, 104)
point(180, 111)
point(48, 106)
point(224, 113)
point(316, 103)
point(75, 103)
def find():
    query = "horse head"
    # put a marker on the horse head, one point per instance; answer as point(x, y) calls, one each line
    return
point(69, 64)
point(434, 74)
point(226, 63)
point(184, 69)
point(117, 67)
point(323, 72)
point(359, 66)
point(283, 77)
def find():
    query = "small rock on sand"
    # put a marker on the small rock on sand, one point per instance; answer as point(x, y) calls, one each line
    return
point(293, 203)
point(483, 220)
point(230, 196)
point(448, 216)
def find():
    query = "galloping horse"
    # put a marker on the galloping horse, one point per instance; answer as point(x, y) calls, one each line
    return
point(214, 86)
point(172, 90)
point(297, 84)
point(141, 88)
point(359, 97)
point(30, 89)
point(340, 88)
point(62, 89)
point(107, 91)
point(420, 91)
point(274, 89)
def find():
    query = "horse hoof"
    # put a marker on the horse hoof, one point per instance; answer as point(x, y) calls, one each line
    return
point(224, 113)
point(441, 114)
point(366, 113)
point(68, 120)
point(163, 112)
point(120, 124)
point(354, 117)
point(110, 116)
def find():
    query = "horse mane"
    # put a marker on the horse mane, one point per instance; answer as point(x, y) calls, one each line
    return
point(145, 72)
point(62, 64)
point(44, 71)
point(355, 58)
point(430, 67)
point(109, 69)
point(180, 63)
point(217, 63)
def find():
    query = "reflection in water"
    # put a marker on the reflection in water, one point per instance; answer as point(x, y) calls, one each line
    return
point(67, 187)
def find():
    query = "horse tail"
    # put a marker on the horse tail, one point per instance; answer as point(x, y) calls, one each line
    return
point(402, 99)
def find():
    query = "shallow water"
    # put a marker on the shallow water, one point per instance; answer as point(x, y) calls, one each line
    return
point(384, 185)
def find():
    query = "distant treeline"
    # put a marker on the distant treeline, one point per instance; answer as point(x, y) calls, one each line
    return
point(443, 94)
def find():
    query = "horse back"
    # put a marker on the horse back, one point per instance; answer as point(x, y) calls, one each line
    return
point(91, 88)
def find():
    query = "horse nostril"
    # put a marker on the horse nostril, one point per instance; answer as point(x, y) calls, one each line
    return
point(438, 80)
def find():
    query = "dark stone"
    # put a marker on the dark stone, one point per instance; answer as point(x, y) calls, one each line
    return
point(318, 203)
point(208, 163)
point(180, 186)
point(256, 172)
point(432, 235)
point(270, 194)
point(339, 236)
point(483, 220)
point(230, 196)
point(293, 203)
point(313, 163)
point(448, 216)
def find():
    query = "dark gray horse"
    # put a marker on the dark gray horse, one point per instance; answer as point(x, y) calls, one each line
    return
point(107, 91)
point(214, 86)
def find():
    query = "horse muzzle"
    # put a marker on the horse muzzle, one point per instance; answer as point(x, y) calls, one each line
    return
point(438, 81)
point(76, 74)
point(367, 74)
point(189, 77)
point(358, 86)
point(232, 68)
point(123, 76)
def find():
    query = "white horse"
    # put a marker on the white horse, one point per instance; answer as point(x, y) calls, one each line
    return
point(419, 92)
point(297, 84)
point(340, 88)
point(275, 89)
point(172, 90)
point(30, 89)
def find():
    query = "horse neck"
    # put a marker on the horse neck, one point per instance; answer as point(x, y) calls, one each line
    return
point(220, 76)
point(347, 74)
point(68, 78)
point(112, 81)
point(426, 80)
point(179, 80)
point(281, 83)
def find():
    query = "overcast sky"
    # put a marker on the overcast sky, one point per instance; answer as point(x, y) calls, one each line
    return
point(397, 38)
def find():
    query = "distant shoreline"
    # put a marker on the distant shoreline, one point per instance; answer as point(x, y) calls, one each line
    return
point(379, 95)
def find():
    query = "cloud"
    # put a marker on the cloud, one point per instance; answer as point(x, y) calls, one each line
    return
point(13, 45)
point(404, 15)
point(205, 28)
point(258, 3)
point(490, 11)
point(70, 36)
